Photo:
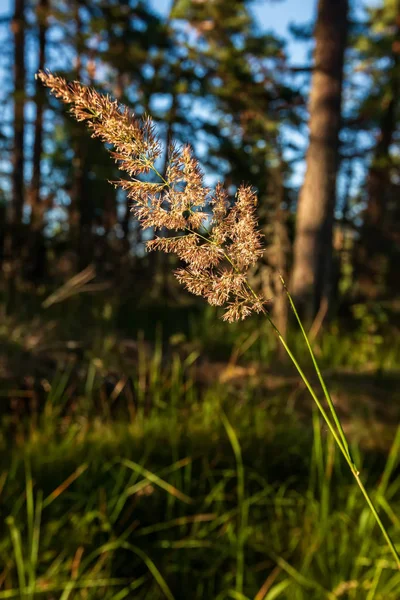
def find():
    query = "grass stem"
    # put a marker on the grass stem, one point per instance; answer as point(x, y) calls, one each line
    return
point(335, 428)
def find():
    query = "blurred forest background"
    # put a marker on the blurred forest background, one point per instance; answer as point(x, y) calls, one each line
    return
point(148, 449)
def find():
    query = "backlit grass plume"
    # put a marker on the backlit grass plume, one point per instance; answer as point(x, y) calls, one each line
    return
point(217, 242)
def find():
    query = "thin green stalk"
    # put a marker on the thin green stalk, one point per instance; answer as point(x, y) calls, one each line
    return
point(18, 553)
point(243, 509)
point(155, 170)
point(340, 437)
point(391, 463)
point(335, 428)
point(310, 389)
point(319, 374)
point(308, 385)
point(377, 518)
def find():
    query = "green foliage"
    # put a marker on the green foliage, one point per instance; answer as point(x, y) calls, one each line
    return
point(177, 463)
point(143, 469)
point(163, 507)
point(370, 320)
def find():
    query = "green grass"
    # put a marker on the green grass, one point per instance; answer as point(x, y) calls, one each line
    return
point(141, 471)
point(215, 497)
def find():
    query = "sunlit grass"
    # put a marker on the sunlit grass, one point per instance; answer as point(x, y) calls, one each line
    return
point(139, 471)
point(228, 502)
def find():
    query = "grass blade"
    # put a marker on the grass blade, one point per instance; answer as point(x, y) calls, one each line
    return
point(153, 478)
point(338, 433)
point(242, 508)
point(18, 554)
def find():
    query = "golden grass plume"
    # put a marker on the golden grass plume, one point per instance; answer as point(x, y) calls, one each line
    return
point(218, 242)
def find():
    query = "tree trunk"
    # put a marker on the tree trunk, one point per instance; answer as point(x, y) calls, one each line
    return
point(37, 247)
point(18, 28)
point(81, 208)
point(379, 175)
point(37, 209)
point(376, 245)
point(315, 212)
point(13, 237)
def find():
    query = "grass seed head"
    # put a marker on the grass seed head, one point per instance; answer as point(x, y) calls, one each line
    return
point(217, 256)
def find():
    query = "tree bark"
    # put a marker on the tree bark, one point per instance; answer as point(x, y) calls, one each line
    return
point(81, 206)
point(315, 212)
point(376, 246)
point(18, 28)
point(37, 209)
point(37, 248)
point(13, 235)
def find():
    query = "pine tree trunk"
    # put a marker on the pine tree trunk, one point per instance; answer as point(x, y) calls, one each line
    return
point(18, 28)
point(37, 209)
point(376, 247)
point(315, 212)
point(13, 237)
point(81, 208)
point(37, 244)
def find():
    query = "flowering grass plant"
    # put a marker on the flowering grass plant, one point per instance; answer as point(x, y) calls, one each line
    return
point(217, 240)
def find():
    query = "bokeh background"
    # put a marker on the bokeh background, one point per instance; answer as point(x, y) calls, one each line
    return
point(148, 449)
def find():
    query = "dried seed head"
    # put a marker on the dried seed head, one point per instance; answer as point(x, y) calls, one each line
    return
point(217, 259)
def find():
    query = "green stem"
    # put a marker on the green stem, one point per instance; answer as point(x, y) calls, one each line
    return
point(310, 389)
point(338, 433)
point(340, 437)
point(319, 374)
point(153, 168)
point(377, 518)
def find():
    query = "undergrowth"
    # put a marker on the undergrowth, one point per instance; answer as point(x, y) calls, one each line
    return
point(164, 507)
point(149, 485)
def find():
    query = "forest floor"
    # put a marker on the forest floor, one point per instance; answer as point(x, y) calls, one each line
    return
point(183, 466)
